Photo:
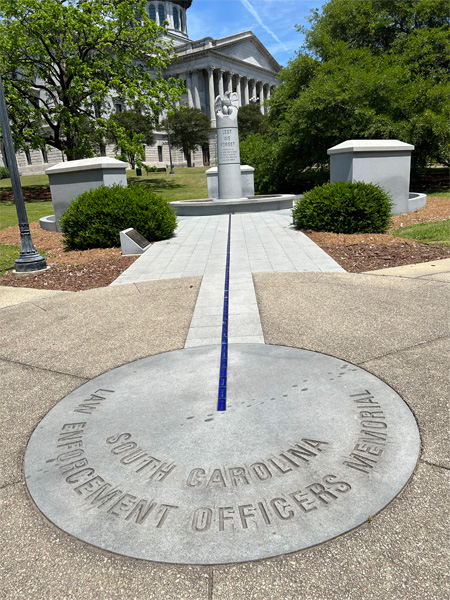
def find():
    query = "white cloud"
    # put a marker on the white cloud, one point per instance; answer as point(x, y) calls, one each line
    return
point(251, 9)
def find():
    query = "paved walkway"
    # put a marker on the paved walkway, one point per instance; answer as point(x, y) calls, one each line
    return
point(263, 242)
point(396, 327)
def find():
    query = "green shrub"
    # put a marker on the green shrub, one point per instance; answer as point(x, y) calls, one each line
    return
point(95, 219)
point(149, 169)
point(344, 207)
point(4, 173)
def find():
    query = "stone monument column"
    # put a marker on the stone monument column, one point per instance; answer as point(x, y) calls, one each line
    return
point(228, 156)
point(212, 112)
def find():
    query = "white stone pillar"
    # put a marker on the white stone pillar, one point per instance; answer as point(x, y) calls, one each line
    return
point(230, 82)
point(253, 89)
point(189, 88)
point(261, 96)
point(238, 89)
point(197, 102)
point(212, 114)
point(246, 94)
point(228, 159)
point(221, 90)
point(169, 15)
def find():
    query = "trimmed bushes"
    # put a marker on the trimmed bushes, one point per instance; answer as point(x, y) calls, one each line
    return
point(344, 207)
point(4, 173)
point(95, 219)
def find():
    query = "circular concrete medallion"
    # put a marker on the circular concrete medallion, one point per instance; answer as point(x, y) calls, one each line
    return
point(138, 461)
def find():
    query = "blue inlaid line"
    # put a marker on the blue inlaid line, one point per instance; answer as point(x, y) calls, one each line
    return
point(222, 395)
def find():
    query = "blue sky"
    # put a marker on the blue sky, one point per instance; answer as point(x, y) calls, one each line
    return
point(272, 21)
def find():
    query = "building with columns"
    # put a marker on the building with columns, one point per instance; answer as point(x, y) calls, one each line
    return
point(209, 67)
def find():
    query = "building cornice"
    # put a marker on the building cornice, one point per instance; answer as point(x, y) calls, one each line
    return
point(193, 47)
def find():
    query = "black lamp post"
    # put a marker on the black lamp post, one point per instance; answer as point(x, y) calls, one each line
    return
point(29, 259)
point(171, 172)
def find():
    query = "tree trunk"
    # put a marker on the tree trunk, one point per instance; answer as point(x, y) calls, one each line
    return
point(188, 158)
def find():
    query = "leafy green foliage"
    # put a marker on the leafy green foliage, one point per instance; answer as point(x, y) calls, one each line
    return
point(344, 207)
point(4, 173)
point(95, 218)
point(189, 129)
point(371, 69)
point(433, 233)
point(128, 131)
point(251, 120)
point(260, 152)
point(77, 55)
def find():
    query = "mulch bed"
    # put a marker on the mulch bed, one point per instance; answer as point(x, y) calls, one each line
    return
point(77, 270)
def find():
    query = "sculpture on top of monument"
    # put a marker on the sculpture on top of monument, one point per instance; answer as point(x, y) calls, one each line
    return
point(227, 107)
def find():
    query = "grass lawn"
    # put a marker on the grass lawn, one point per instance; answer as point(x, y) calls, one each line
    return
point(35, 210)
point(9, 254)
point(26, 181)
point(433, 233)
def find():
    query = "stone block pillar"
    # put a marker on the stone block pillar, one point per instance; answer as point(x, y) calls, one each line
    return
point(70, 179)
point(383, 162)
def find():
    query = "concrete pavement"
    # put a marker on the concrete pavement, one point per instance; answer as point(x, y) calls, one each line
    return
point(395, 327)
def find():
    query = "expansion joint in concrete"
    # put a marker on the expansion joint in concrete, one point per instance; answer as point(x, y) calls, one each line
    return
point(432, 464)
point(210, 583)
point(22, 364)
point(405, 349)
point(11, 484)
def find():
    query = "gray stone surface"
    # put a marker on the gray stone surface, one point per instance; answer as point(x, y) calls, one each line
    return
point(309, 447)
point(114, 325)
point(420, 374)
point(10, 296)
point(247, 181)
point(70, 179)
point(355, 317)
point(21, 385)
point(401, 553)
point(383, 162)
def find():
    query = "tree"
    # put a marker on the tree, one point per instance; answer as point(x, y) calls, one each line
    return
point(251, 120)
point(370, 69)
point(128, 131)
point(63, 61)
point(189, 130)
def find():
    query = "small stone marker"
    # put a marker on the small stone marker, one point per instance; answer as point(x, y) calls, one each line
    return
point(139, 461)
point(132, 242)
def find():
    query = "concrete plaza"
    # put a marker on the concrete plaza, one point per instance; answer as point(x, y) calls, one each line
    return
point(286, 291)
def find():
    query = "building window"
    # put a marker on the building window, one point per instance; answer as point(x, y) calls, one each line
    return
point(181, 20)
point(44, 155)
point(176, 22)
point(161, 14)
point(160, 153)
point(118, 107)
point(152, 12)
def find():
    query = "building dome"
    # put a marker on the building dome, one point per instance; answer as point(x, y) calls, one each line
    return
point(173, 13)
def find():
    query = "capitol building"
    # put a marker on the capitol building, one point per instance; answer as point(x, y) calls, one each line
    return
point(209, 67)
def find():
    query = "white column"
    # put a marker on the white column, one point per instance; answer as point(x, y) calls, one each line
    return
point(261, 96)
point(253, 89)
point(189, 88)
point(169, 14)
point(246, 95)
point(268, 97)
point(197, 102)
point(221, 90)
point(238, 89)
point(212, 114)
point(230, 82)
